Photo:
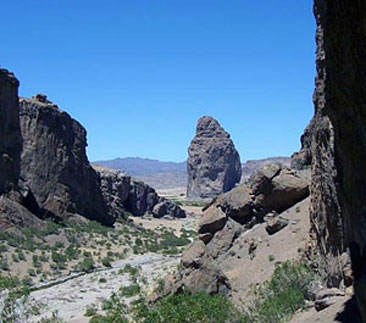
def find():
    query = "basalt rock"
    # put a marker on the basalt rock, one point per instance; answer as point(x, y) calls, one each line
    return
point(213, 163)
point(10, 137)
point(54, 163)
point(15, 199)
point(302, 159)
point(341, 96)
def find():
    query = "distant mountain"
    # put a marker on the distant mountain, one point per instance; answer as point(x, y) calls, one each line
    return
point(143, 166)
point(166, 175)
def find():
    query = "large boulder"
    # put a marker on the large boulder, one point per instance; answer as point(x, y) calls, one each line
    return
point(213, 163)
point(276, 188)
point(55, 165)
point(10, 137)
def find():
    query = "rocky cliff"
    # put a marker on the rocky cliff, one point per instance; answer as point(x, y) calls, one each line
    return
point(14, 198)
point(54, 163)
point(122, 193)
point(213, 163)
point(341, 96)
point(10, 138)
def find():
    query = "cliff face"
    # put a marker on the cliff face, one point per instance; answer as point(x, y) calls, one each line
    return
point(54, 162)
point(213, 163)
point(10, 138)
point(341, 96)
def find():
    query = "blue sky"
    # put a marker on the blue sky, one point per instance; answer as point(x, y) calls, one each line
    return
point(139, 73)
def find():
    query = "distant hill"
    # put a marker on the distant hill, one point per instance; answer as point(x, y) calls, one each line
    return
point(166, 175)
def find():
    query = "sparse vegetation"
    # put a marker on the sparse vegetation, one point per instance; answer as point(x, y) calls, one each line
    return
point(192, 308)
point(278, 299)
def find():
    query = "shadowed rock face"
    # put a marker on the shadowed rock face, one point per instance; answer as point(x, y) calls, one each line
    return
point(122, 193)
point(302, 159)
point(213, 162)
point(54, 162)
point(10, 138)
point(341, 96)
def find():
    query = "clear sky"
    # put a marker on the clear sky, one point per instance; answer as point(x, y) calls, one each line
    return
point(139, 73)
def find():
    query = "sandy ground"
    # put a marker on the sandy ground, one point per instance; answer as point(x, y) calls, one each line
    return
point(70, 299)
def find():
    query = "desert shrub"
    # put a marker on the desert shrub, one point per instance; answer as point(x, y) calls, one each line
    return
point(8, 282)
point(87, 265)
point(4, 264)
point(91, 310)
point(31, 272)
point(106, 262)
point(130, 291)
point(58, 257)
point(192, 308)
point(279, 298)
point(116, 311)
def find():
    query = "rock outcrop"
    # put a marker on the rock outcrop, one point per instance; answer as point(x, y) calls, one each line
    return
point(213, 163)
point(209, 263)
point(122, 193)
point(55, 165)
point(15, 198)
point(10, 137)
point(302, 159)
point(341, 96)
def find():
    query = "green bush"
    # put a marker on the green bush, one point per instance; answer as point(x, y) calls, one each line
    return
point(278, 299)
point(130, 291)
point(106, 262)
point(87, 265)
point(91, 311)
point(116, 311)
point(190, 308)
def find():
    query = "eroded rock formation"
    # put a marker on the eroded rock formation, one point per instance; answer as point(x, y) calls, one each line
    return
point(341, 96)
point(10, 138)
point(55, 165)
point(213, 163)
point(122, 193)
point(302, 159)
point(14, 196)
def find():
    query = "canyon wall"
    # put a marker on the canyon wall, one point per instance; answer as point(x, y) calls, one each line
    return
point(341, 96)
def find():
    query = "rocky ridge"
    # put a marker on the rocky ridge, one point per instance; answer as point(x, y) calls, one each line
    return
point(213, 163)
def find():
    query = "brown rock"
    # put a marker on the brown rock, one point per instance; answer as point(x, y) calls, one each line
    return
point(212, 220)
point(276, 224)
point(192, 256)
